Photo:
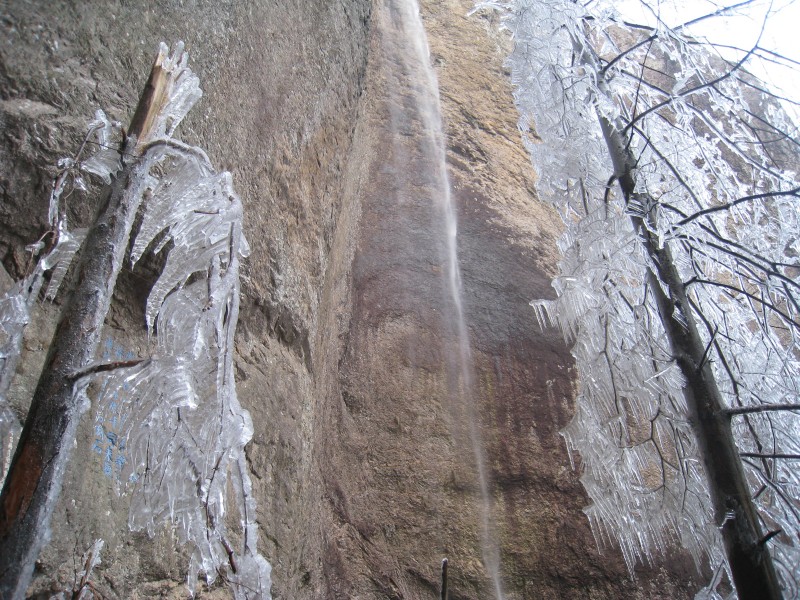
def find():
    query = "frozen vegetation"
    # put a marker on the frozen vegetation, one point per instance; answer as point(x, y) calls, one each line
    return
point(680, 291)
point(179, 417)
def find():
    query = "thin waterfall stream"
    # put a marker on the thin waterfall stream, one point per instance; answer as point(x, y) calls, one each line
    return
point(460, 362)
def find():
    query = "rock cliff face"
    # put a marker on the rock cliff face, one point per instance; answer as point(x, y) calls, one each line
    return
point(362, 459)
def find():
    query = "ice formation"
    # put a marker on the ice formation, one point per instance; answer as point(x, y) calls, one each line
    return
point(713, 184)
point(16, 304)
point(182, 425)
point(184, 428)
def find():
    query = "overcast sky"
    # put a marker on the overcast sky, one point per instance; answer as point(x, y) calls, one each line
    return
point(780, 34)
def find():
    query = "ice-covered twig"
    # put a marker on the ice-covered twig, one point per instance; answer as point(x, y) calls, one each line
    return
point(34, 479)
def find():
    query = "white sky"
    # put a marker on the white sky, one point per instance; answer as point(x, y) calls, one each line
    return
point(781, 33)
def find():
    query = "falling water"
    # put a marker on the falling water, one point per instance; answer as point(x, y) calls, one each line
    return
point(461, 378)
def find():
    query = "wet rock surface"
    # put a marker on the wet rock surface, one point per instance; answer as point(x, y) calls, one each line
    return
point(411, 495)
point(364, 475)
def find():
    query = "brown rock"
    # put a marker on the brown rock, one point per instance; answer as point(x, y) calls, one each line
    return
point(362, 461)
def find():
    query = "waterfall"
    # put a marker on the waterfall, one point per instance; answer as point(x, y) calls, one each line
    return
point(417, 64)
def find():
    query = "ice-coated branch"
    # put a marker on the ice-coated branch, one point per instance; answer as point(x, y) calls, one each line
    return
point(54, 257)
point(745, 410)
point(34, 479)
point(774, 455)
point(195, 210)
point(690, 271)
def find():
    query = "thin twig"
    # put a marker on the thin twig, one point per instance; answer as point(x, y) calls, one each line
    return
point(776, 455)
point(743, 410)
point(105, 367)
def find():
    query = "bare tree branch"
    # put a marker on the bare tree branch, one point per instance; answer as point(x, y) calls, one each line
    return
point(742, 410)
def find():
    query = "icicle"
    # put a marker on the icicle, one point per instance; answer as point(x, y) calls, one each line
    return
point(184, 428)
point(60, 258)
point(106, 161)
point(541, 309)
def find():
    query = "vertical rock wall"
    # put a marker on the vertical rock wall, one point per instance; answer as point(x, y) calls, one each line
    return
point(361, 462)
point(401, 478)
point(282, 82)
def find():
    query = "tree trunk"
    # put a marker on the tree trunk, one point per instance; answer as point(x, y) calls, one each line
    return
point(34, 479)
point(33, 484)
point(751, 563)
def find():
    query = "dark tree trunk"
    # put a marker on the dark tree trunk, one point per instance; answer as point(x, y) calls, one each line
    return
point(751, 563)
point(34, 479)
point(33, 484)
